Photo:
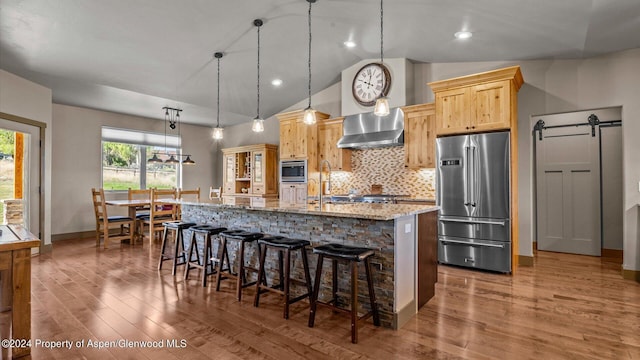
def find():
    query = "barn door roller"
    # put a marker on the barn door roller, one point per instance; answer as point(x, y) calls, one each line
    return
point(592, 121)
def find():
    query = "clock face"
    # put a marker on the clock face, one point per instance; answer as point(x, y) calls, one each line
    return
point(371, 81)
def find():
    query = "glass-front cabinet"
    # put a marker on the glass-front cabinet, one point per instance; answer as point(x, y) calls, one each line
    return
point(229, 173)
point(250, 171)
point(258, 172)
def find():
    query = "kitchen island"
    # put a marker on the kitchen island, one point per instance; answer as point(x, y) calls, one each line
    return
point(404, 237)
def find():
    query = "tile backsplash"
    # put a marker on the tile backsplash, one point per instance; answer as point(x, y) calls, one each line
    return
point(384, 166)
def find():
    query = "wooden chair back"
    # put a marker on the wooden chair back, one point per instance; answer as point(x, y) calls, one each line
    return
point(215, 193)
point(104, 223)
point(142, 194)
point(160, 212)
point(99, 207)
point(189, 194)
point(160, 209)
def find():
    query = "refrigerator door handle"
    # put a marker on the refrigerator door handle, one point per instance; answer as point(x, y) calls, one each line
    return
point(472, 175)
point(489, 222)
point(471, 244)
point(476, 176)
point(467, 174)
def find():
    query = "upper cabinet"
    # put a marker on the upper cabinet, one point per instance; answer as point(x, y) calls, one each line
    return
point(419, 136)
point(477, 103)
point(250, 170)
point(329, 132)
point(299, 140)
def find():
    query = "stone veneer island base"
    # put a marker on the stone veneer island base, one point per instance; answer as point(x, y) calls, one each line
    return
point(404, 266)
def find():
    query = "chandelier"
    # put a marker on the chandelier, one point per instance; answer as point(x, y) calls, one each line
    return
point(172, 120)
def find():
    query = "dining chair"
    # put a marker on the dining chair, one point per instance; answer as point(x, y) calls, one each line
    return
point(193, 194)
point(160, 211)
point(142, 212)
point(215, 193)
point(105, 223)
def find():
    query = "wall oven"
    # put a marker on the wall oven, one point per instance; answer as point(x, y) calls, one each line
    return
point(293, 171)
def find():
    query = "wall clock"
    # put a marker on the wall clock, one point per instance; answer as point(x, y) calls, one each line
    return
point(370, 82)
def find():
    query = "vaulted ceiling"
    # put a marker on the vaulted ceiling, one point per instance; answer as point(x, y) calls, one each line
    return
point(136, 56)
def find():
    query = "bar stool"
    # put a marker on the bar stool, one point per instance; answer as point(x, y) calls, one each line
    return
point(178, 255)
point(243, 237)
point(283, 245)
point(206, 263)
point(354, 255)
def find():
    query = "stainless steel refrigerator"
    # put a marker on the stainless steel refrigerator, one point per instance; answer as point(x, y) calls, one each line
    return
point(472, 182)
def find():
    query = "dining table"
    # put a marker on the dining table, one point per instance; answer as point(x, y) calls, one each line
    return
point(15, 284)
point(133, 205)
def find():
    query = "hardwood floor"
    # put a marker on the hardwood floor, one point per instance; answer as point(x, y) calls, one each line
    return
point(565, 307)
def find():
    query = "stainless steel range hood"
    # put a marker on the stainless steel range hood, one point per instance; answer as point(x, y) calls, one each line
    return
point(369, 131)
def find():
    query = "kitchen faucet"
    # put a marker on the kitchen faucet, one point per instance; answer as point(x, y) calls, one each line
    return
point(320, 182)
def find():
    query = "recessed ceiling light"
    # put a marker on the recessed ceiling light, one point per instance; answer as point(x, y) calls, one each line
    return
point(276, 82)
point(350, 44)
point(463, 34)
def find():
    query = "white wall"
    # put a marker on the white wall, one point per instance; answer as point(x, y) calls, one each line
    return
point(77, 160)
point(29, 100)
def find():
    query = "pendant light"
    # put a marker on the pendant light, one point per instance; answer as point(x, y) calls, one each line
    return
point(188, 161)
point(172, 118)
point(382, 103)
point(217, 131)
point(309, 116)
point(258, 122)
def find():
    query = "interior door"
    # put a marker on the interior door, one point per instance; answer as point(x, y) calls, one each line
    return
point(568, 190)
point(30, 174)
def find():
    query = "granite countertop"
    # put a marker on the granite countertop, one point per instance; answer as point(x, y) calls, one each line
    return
point(418, 199)
point(350, 210)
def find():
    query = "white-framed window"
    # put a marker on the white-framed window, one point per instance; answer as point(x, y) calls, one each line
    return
point(125, 155)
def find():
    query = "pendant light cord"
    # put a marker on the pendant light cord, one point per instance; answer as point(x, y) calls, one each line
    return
point(309, 63)
point(218, 101)
point(258, 86)
point(381, 33)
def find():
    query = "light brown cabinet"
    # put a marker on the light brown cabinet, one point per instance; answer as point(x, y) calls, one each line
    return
point(299, 140)
point(477, 103)
point(329, 132)
point(420, 136)
point(293, 194)
point(252, 168)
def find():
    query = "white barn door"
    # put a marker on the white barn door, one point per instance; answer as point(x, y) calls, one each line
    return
point(568, 190)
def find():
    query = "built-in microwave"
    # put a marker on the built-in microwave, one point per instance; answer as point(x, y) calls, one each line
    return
point(293, 171)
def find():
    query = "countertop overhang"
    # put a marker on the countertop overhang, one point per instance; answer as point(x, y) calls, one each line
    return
point(350, 210)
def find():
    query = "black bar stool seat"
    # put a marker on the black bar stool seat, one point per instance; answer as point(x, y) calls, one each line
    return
point(353, 255)
point(283, 245)
point(193, 256)
point(344, 252)
point(283, 242)
point(243, 237)
point(178, 255)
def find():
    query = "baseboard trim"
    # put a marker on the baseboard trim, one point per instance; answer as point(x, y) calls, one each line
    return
point(73, 235)
point(612, 253)
point(45, 248)
point(631, 275)
point(403, 315)
point(524, 260)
